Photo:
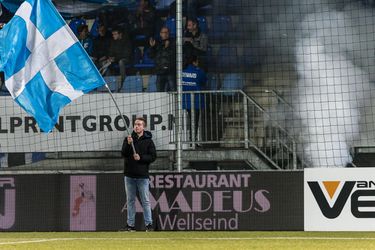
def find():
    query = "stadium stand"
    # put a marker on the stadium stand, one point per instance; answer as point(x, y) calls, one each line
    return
point(212, 82)
point(142, 60)
point(220, 28)
point(111, 82)
point(232, 81)
point(252, 47)
point(170, 23)
point(75, 23)
point(132, 84)
point(228, 58)
point(164, 4)
point(202, 21)
point(151, 87)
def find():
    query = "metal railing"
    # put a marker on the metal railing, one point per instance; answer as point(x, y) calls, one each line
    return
point(232, 119)
point(282, 113)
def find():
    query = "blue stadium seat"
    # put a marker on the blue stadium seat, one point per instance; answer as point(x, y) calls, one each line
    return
point(145, 62)
point(228, 57)
point(170, 23)
point(146, 57)
point(132, 84)
point(94, 31)
point(111, 82)
point(251, 56)
point(151, 87)
point(221, 27)
point(38, 156)
point(153, 2)
point(212, 82)
point(211, 59)
point(163, 4)
point(75, 23)
point(232, 81)
point(3, 160)
point(140, 37)
point(16, 159)
point(235, 6)
point(137, 55)
point(203, 24)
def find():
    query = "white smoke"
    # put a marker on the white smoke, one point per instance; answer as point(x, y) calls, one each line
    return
point(333, 90)
point(325, 50)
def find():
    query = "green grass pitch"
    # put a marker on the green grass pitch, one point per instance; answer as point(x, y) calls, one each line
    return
point(188, 240)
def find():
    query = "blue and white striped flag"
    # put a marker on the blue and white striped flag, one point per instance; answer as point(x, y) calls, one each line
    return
point(44, 64)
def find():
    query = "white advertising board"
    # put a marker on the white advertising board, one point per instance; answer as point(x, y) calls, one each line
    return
point(91, 123)
point(339, 199)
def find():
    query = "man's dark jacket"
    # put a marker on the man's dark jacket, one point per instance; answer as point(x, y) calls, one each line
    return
point(164, 57)
point(121, 49)
point(145, 147)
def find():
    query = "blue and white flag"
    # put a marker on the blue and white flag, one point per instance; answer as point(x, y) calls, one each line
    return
point(45, 66)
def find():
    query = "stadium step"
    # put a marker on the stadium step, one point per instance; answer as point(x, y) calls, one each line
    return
point(252, 159)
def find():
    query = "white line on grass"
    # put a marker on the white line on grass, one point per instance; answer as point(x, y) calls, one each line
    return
point(26, 241)
point(32, 241)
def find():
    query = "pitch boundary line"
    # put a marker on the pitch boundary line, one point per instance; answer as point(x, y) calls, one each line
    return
point(32, 241)
point(195, 238)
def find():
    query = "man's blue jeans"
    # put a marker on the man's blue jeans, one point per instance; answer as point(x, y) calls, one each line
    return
point(131, 187)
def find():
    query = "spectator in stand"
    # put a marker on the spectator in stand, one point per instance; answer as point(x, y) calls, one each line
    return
point(120, 52)
point(145, 18)
point(85, 39)
point(195, 41)
point(164, 55)
point(193, 79)
point(101, 46)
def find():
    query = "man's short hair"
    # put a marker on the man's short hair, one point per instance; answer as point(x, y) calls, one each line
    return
point(194, 20)
point(118, 30)
point(190, 59)
point(164, 27)
point(82, 28)
point(141, 119)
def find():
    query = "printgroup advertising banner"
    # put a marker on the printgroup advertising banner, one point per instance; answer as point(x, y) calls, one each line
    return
point(189, 201)
point(90, 123)
point(339, 199)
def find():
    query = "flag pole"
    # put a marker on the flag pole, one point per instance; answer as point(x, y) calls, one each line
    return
point(118, 109)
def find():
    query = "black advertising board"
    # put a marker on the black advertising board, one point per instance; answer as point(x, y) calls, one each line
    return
point(180, 201)
point(29, 202)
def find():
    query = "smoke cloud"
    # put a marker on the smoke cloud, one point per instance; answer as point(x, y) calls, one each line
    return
point(325, 49)
point(333, 89)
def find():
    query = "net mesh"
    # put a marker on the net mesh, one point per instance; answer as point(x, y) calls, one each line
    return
point(305, 68)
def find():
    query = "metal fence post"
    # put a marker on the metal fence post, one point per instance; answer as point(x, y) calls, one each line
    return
point(179, 82)
point(246, 122)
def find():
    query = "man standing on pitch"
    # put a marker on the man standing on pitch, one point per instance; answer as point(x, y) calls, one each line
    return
point(137, 172)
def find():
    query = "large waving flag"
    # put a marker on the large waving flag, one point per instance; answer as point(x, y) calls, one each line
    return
point(44, 64)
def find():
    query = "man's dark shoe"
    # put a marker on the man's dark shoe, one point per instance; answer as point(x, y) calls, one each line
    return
point(128, 229)
point(149, 228)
